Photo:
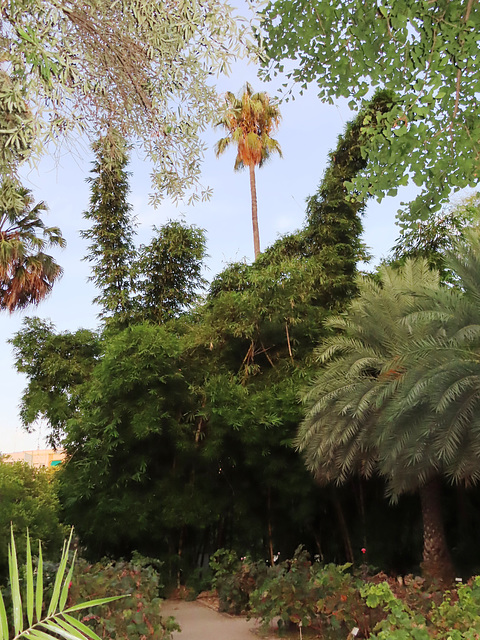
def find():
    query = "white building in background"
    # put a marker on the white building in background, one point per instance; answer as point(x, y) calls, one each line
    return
point(35, 458)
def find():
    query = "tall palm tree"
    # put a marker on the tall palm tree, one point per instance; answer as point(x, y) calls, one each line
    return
point(27, 273)
point(361, 418)
point(250, 119)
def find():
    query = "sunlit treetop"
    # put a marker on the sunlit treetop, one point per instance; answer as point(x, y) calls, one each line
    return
point(426, 51)
point(143, 67)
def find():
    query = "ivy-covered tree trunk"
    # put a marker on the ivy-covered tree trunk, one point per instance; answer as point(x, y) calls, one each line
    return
point(253, 192)
point(437, 562)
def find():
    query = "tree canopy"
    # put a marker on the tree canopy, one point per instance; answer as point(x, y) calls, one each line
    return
point(436, 237)
point(179, 423)
point(426, 52)
point(168, 271)
point(141, 67)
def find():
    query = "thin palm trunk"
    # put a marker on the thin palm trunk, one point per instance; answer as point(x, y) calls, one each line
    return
point(253, 192)
point(437, 562)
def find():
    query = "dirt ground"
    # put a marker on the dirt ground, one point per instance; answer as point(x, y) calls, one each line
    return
point(198, 621)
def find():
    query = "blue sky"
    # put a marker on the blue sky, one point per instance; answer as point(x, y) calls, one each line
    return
point(308, 131)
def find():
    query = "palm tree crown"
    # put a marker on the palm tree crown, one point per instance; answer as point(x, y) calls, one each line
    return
point(366, 411)
point(250, 119)
point(27, 273)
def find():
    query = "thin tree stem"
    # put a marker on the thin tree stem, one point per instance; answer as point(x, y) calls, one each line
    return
point(253, 192)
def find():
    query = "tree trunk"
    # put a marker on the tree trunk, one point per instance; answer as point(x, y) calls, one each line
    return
point(343, 526)
point(270, 530)
point(253, 192)
point(437, 563)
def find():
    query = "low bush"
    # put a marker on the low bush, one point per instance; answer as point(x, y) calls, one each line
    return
point(333, 602)
point(200, 579)
point(311, 595)
point(287, 593)
point(235, 579)
point(137, 615)
point(455, 618)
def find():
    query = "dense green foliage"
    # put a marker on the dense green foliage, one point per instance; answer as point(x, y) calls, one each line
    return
point(28, 501)
point(425, 52)
point(397, 389)
point(124, 442)
point(453, 617)
point(331, 238)
point(332, 601)
point(179, 424)
point(153, 283)
point(436, 236)
point(235, 579)
point(168, 272)
point(56, 365)
point(309, 594)
point(364, 363)
point(111, 251)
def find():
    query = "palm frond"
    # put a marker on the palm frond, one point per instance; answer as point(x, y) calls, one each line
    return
point(28, 620)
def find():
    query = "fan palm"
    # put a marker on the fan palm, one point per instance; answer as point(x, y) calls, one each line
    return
point(354, 424)
point(27, 273)
point(250, 119)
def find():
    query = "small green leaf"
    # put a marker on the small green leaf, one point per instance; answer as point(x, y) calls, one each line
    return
point(75, 630)
point(38, 634)
point(66, 584)
point(54, 628)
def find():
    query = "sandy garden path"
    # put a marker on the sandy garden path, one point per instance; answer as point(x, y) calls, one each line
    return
point(200, 622)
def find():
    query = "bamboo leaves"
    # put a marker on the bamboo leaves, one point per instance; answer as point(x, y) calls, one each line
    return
point(28, 621)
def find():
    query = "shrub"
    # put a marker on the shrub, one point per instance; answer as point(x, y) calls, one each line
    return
point(297, 592)
point(287, 593)
point(137, 615)
point(200, 579)
point(455, 618)
point(235, 579)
